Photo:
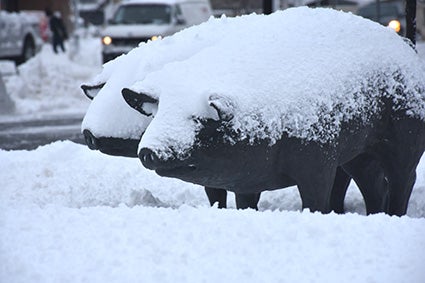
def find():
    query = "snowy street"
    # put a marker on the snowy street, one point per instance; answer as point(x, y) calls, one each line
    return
point(29, 134)
point(49, 104)
point(70, 214)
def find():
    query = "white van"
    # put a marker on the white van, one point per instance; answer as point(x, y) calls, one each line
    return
point(138, 21)
point(20, 37)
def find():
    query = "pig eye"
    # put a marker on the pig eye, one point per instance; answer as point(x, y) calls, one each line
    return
point(92, 90)
point(206, 122)
point(208, 128)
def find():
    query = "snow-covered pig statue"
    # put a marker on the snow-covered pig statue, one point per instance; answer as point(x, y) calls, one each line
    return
point(113, 128)
point(288, 99)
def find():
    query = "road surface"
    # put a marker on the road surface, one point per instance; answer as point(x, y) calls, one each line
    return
point(30, 134)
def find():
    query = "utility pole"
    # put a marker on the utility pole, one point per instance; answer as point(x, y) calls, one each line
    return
point(411, 21)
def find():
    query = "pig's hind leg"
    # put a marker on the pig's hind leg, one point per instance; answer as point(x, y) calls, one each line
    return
point(400, 155)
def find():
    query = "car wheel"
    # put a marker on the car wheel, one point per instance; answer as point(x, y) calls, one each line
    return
point(28, 50)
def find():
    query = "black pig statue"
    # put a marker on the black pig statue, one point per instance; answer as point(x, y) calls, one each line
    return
point(265, 110)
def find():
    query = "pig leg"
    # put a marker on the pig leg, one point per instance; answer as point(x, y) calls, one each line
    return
point(369, 176)
point(217, 195)
point(400, 155)
point(315, 186)
point(401, 180)
point(339, 190)
point(244, 201)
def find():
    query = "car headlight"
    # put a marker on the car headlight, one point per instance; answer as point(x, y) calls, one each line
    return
point(106, 40)
point(155, 37)
point(395, 25)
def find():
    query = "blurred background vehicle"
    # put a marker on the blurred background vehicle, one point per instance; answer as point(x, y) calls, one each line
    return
point(92, 11)
point(20, 35)
point(388, 13)
point(142, 20)
point(96, 12)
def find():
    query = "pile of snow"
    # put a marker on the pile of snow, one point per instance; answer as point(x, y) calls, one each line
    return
point(302, 80)
point(49, 83)
point(68, 214)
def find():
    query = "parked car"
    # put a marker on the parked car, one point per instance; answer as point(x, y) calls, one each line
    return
point(138, 21)
point(19, 36)
point(391, 14)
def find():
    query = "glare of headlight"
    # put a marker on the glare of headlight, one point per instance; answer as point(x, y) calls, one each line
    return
point(106, 40)
point(153, 38)
point(395, 25)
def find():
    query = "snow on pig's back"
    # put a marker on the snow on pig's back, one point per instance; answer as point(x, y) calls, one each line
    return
point(289, 72)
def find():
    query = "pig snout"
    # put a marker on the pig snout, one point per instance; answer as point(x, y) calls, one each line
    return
point(91, 141)
point(149, 158)
point(170, 167)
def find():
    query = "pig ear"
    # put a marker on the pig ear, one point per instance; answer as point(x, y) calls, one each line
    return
point(223, 106)
point(141, 102)
point(92, 90)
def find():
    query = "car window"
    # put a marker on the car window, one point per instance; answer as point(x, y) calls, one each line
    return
point(386, 10)
point(143, 14)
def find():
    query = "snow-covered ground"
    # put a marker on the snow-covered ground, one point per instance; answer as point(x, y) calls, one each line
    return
point(49, 84)
point(68, 214)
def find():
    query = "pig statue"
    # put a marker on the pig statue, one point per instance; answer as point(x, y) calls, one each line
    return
point(268, 107)
point(109, 125)
point(371, 181)
point(123, 145)
point(124, 141)
point(114, 129)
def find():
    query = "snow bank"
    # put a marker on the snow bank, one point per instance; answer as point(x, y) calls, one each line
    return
point(208, 245)
point(303, 79)
point(68, 214)
point(49, 84)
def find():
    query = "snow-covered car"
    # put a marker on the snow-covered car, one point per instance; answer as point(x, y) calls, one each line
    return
point(388, 13)
point(19, 36)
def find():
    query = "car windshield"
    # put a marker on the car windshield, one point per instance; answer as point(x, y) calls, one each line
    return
point(88, 1)
point(386, 10)
point(143, 14)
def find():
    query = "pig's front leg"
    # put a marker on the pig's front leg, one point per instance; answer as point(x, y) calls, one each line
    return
point(217, 196)
point(315, 187)
point(244, 201)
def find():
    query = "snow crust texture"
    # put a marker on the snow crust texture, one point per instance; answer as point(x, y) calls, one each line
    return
point(69, 214)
